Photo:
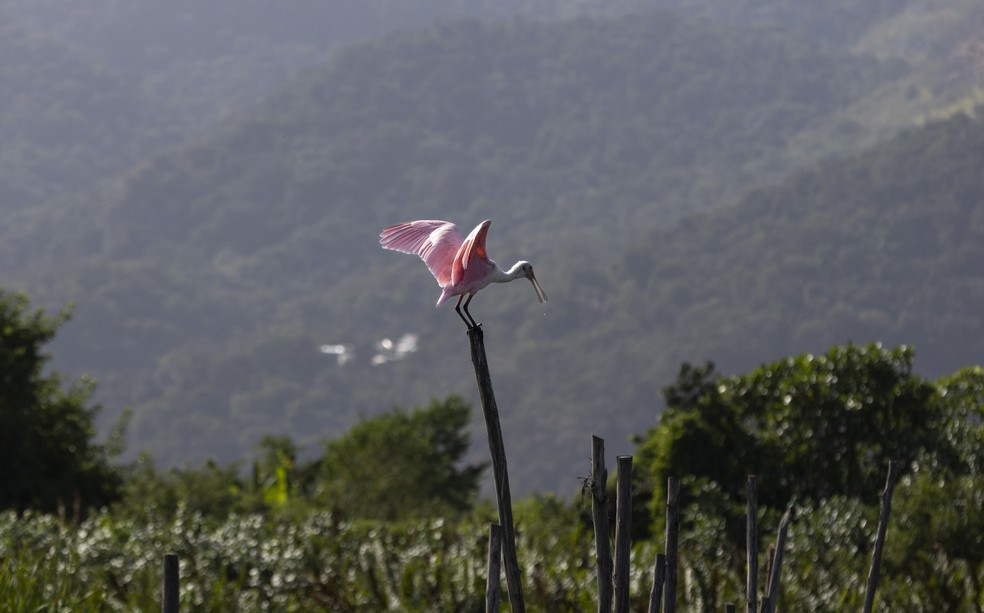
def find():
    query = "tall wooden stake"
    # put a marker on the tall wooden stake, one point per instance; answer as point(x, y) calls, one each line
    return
point(771, 600)
point(659, 577)
point(672, 543)
point(171, 588)
point(493, 595)
point(503, 498)
point(599, 512)
point(751, 546)
point(623, 530)
point(886, 510)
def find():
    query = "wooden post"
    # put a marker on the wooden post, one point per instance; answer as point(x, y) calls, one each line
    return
point(672, 540)
point(659, 577)
point(772, 594)
point(171, 588)
point(503, 498)
point(493, 595)
point(623, 530)
point(886, 510)
point(729, 607)
point(770, 556)
point(599, 512)
point(751, 546)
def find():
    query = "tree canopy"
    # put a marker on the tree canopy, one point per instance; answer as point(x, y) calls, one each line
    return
point(50, 459)
point(810, 426)
point(401, 464)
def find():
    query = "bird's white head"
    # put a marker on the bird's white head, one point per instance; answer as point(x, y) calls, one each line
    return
point(525, 269)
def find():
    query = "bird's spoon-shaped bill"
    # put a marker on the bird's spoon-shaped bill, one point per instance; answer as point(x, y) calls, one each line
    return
point(540, 294)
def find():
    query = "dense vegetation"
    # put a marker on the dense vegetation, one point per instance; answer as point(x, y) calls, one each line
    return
point(817, 430)
point(46, 429)
point(736, 180)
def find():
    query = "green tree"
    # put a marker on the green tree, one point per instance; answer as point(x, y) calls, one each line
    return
point(936, 556)
point(275, 472)
point(212, 491)
point(402, 464)
point(809, 426)
point(820, 430)
point(275, 483)
point(46, 431)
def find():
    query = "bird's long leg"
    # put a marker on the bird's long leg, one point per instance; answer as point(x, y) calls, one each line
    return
point(457, 309)
point(474, 324)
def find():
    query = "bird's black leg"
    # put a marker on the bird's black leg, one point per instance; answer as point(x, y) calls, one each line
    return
point(474, 324)
point(457, 309)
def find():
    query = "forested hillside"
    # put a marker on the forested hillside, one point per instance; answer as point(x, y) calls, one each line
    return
point(64, 118)
point(887, 245)
point(90, 88)
point(614, 151)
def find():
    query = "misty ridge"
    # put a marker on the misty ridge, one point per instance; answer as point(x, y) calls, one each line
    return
point(695, 180)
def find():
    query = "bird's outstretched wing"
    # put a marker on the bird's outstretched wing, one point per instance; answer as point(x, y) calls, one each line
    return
point(436, 242)
point(471, 249)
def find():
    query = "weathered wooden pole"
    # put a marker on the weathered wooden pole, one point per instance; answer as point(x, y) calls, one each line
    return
point(599, 512)
point(171, 588)
point(493, 595)
point(659, 577)
point(751, 546)
point(770, 555)
point(623, 532)
point(886, 510)
point(771, 599)
point(502, 497)
point(672, 543)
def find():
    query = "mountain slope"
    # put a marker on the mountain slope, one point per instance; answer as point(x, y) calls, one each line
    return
point(884, 246)
point(207, 277)
point(654, 112)
point(63, 119)
point(540, 126)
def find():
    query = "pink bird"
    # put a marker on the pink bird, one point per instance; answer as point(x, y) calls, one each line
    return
point(462, 268)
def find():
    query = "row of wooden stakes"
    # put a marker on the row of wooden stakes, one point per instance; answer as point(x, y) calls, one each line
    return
point(613, 575)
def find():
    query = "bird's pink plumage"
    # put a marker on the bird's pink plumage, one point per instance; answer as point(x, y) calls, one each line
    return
point(461, 267)
point(436, 242)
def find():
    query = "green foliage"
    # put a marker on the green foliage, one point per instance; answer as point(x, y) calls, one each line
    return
point(963, 394)
point(243, 563)
point(309, 559)
point(46, 431)
point(211, 491)
point(819, 431)
point(401, 465)
point(810, 427)
point(314, 562)
point(934, 557)
point(278, 464)
point(396, 466)
point(828, 556)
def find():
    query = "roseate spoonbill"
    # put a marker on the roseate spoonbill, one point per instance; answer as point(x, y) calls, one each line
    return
point(461, 268)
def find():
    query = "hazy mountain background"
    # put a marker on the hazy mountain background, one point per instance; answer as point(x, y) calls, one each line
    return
point(692, 180)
